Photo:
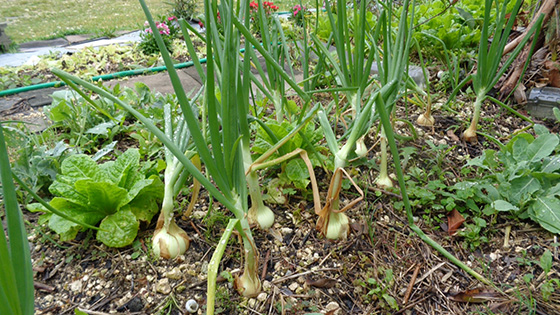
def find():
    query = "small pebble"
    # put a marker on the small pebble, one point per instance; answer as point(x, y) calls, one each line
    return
point(293, 286)
point(266, 285)
point(135, 305)
point(332, 307)
point(76, 286)
point(163, 286)
point(252, 303)
point(262, 297)
point(174, 274)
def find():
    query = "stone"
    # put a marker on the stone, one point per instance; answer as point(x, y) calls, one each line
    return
point(293, 286)
point(332, 307)
point(174, 274)
point(76, 286)
point(262, 297)
point(135, 305)
point(163, 286)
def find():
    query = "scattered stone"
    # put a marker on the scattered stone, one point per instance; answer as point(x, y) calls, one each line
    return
point(198, 215)
point(163, 286)
point(262, 297)
point(180, 288)
point(332, 308)
point(252, 303)
point(286, 230)
point(76, 286)
point(293, 287)
point(266, 285)
point(174, 274)
point(135, 305)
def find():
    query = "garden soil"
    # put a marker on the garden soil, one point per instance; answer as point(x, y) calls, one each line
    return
point(382, 267)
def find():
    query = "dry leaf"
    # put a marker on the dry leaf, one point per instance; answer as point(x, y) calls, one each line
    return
point(453, 136)
point(474, 296)
point(359, 228)
point(553, 73)
point(519, 94)
point(454, 221)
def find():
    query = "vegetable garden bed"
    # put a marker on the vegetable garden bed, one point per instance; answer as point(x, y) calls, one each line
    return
point(327, 196)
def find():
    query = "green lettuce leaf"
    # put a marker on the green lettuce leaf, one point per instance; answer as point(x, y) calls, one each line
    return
point(119, 229)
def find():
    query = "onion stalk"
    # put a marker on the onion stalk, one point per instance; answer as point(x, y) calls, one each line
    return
point(383, 180)
point(490, 56)
point(331, 222)
point(169, 239)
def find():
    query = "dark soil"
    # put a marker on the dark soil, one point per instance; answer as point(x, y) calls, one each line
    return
point(305, 273)
point(381, 261)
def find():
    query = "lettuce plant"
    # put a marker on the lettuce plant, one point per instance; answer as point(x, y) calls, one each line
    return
point(115, 193)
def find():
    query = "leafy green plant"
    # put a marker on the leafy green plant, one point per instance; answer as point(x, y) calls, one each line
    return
point(524, 178)
point(16, 274)
point(86, 121)
point(11, 78)
point(474, 233)
point(293, 172)
point(378, 289)
point(148, 43)
point(114, 193)
point(37, 166)
point(550, 284)
point(184, 9)
point(456, 25)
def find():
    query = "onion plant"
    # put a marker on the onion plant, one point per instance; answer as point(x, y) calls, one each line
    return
point(16, 274)
point(332, 222)
point(489, 56)
point(169, 239)
point(226, 152)
point(274, 42)
point(351, 65)
point(425, 119)
point(391, 71)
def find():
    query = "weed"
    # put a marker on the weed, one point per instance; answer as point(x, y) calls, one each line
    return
point(377, 289)
point(473, 233)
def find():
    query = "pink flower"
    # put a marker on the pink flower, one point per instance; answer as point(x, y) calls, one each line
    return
point(171, 18)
